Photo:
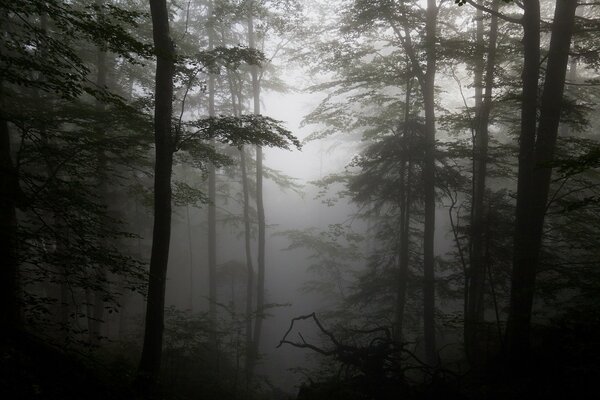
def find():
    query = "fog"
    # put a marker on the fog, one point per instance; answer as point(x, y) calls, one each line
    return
point(350, 199)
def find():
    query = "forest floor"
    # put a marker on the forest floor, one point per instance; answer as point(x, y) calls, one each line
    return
point(33, 369)
point(30, 368)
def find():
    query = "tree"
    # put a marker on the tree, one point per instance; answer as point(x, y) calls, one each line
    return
point(427, 82)
point(260, 207)
point(97, 316)
point(476, 277)
point(149, 367)
point(396, 15)
point(45, 83)
point(10, 313)
point(236, 130)
point(212, 191)
point(537, 147)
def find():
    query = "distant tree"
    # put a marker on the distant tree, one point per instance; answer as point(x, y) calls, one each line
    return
point(476, 276)
point(212, 184)
point(10, 198)
point(236, 130)
point(52, 122)
point(260, 206)
point(421, 51)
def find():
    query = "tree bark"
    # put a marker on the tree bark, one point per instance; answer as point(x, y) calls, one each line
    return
point(426, 80)
point(428, 86)
point(535, 170)
point(405, 184)
point(250, 268)
point(150, 362)
point(474, 318)
point(10, 315)
point(61, 291)
point(517, 330)
point(101, 80)
point(260, 208)
point(212, 197)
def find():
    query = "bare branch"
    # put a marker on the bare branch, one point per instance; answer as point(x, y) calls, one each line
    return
point(498, 14)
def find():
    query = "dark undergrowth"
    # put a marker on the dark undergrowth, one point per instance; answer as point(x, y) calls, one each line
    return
point(565, 364)
point(31, 368)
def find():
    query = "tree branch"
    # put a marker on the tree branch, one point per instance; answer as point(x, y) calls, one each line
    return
point(498, 14)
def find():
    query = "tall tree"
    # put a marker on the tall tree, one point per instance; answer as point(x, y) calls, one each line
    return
point(415, 31)
point(405, 183)
point(475, 284)
point(537, 147)
point(260, 207)
point(250, 269)
point(150, 361)
point(10, 315)
point(212, 192)
point(426, 77)
point(427, 81)
point(9, 303)
point(537, 143)
point(101, 81)
point(52, 71)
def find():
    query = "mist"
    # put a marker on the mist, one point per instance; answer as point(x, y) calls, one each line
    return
point(283, 199)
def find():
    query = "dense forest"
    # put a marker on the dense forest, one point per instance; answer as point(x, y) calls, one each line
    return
point(287, 199)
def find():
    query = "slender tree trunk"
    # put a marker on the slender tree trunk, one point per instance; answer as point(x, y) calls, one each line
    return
point(10, 315)
point(212, 197)
point(517, 330)
point(426, 80)
point(250, 278)
point(10, 305)
point(403, 259)
point(534, 169)
point(66, 297)
point(237, 110)
point(539, 173)
point(89, 314)
point(98, 310)
point(428, 86)
point(61, 291)
point(150, 362)
point(123, 314)
point(479, 64)
point(191, 256)
point(474, 318)
point(260, 208)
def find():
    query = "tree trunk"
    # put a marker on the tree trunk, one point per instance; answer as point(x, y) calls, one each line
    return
point(98, 311)
point(10, 315)
point(10, 307)
point(260, 208)
point(534, 169)
point(517, 330)
point(60, 290)
point(474, 318)
point(150, 362)
point(66, 299)
point(250, 278)
point(405, 184)
point(237, 110)
point(428, 87)
point(212, 198)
